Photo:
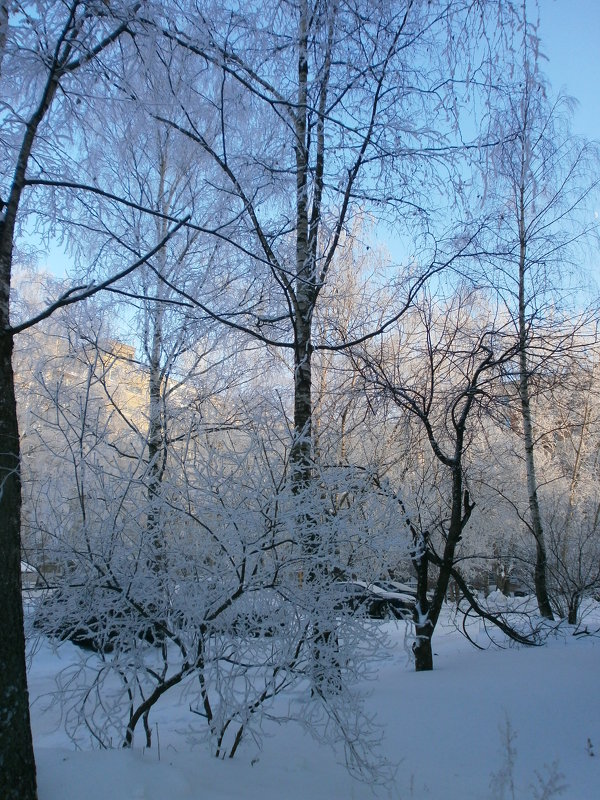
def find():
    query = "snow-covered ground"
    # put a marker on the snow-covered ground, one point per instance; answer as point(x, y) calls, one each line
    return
point(445, 731)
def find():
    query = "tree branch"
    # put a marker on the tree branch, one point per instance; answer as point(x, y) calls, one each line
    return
point(78, 293)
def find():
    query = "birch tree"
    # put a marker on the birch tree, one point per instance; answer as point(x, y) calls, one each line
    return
point(545, 182)
point(321, 111)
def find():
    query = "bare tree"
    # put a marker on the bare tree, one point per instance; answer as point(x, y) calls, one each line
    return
point(544, 183)
point(322, 111)
point(440, 367)
point(43, 75)
point(239, 619)
point(568, 484)
point(342, 105)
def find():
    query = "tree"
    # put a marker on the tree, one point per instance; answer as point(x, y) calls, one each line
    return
point(342, 105)
point(237, 627)
point(544, 181)
point(309, 113)
point(52, 63)
point(329, 106)
point(440, 367)
point(567, 469)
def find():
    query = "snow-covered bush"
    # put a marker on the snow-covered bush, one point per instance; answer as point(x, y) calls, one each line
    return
point(223, 599)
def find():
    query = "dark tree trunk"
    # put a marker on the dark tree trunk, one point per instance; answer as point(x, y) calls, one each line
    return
point(573, 610)
point(423, 625)
point(17, 765)
point(301, 454)
point(422, 648)
point(541, 583)
point(459, 516)
point(427, 613)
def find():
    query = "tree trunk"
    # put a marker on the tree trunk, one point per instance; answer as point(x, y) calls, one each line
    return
point(460, 513)
point(302, 446)
point(424, 627)
point(17, 765)
point(422, 648)
point(573, 609)
point(156, 447)
point(427, 613)
point(541, 586)
point(305, 291)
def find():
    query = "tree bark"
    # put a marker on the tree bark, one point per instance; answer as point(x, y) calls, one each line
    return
point(156, 444)
point(305, 289)
point(424, 626)
point(572, 613)
point(427, 614)
point(540, 572)
point(17, 764)
point(422, 648)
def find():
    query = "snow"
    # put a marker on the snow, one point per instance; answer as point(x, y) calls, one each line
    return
point(443, 729)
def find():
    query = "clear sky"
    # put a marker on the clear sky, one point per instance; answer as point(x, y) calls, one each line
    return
point(570, 34)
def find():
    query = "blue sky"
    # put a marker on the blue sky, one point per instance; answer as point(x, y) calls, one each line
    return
point(570, 34)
